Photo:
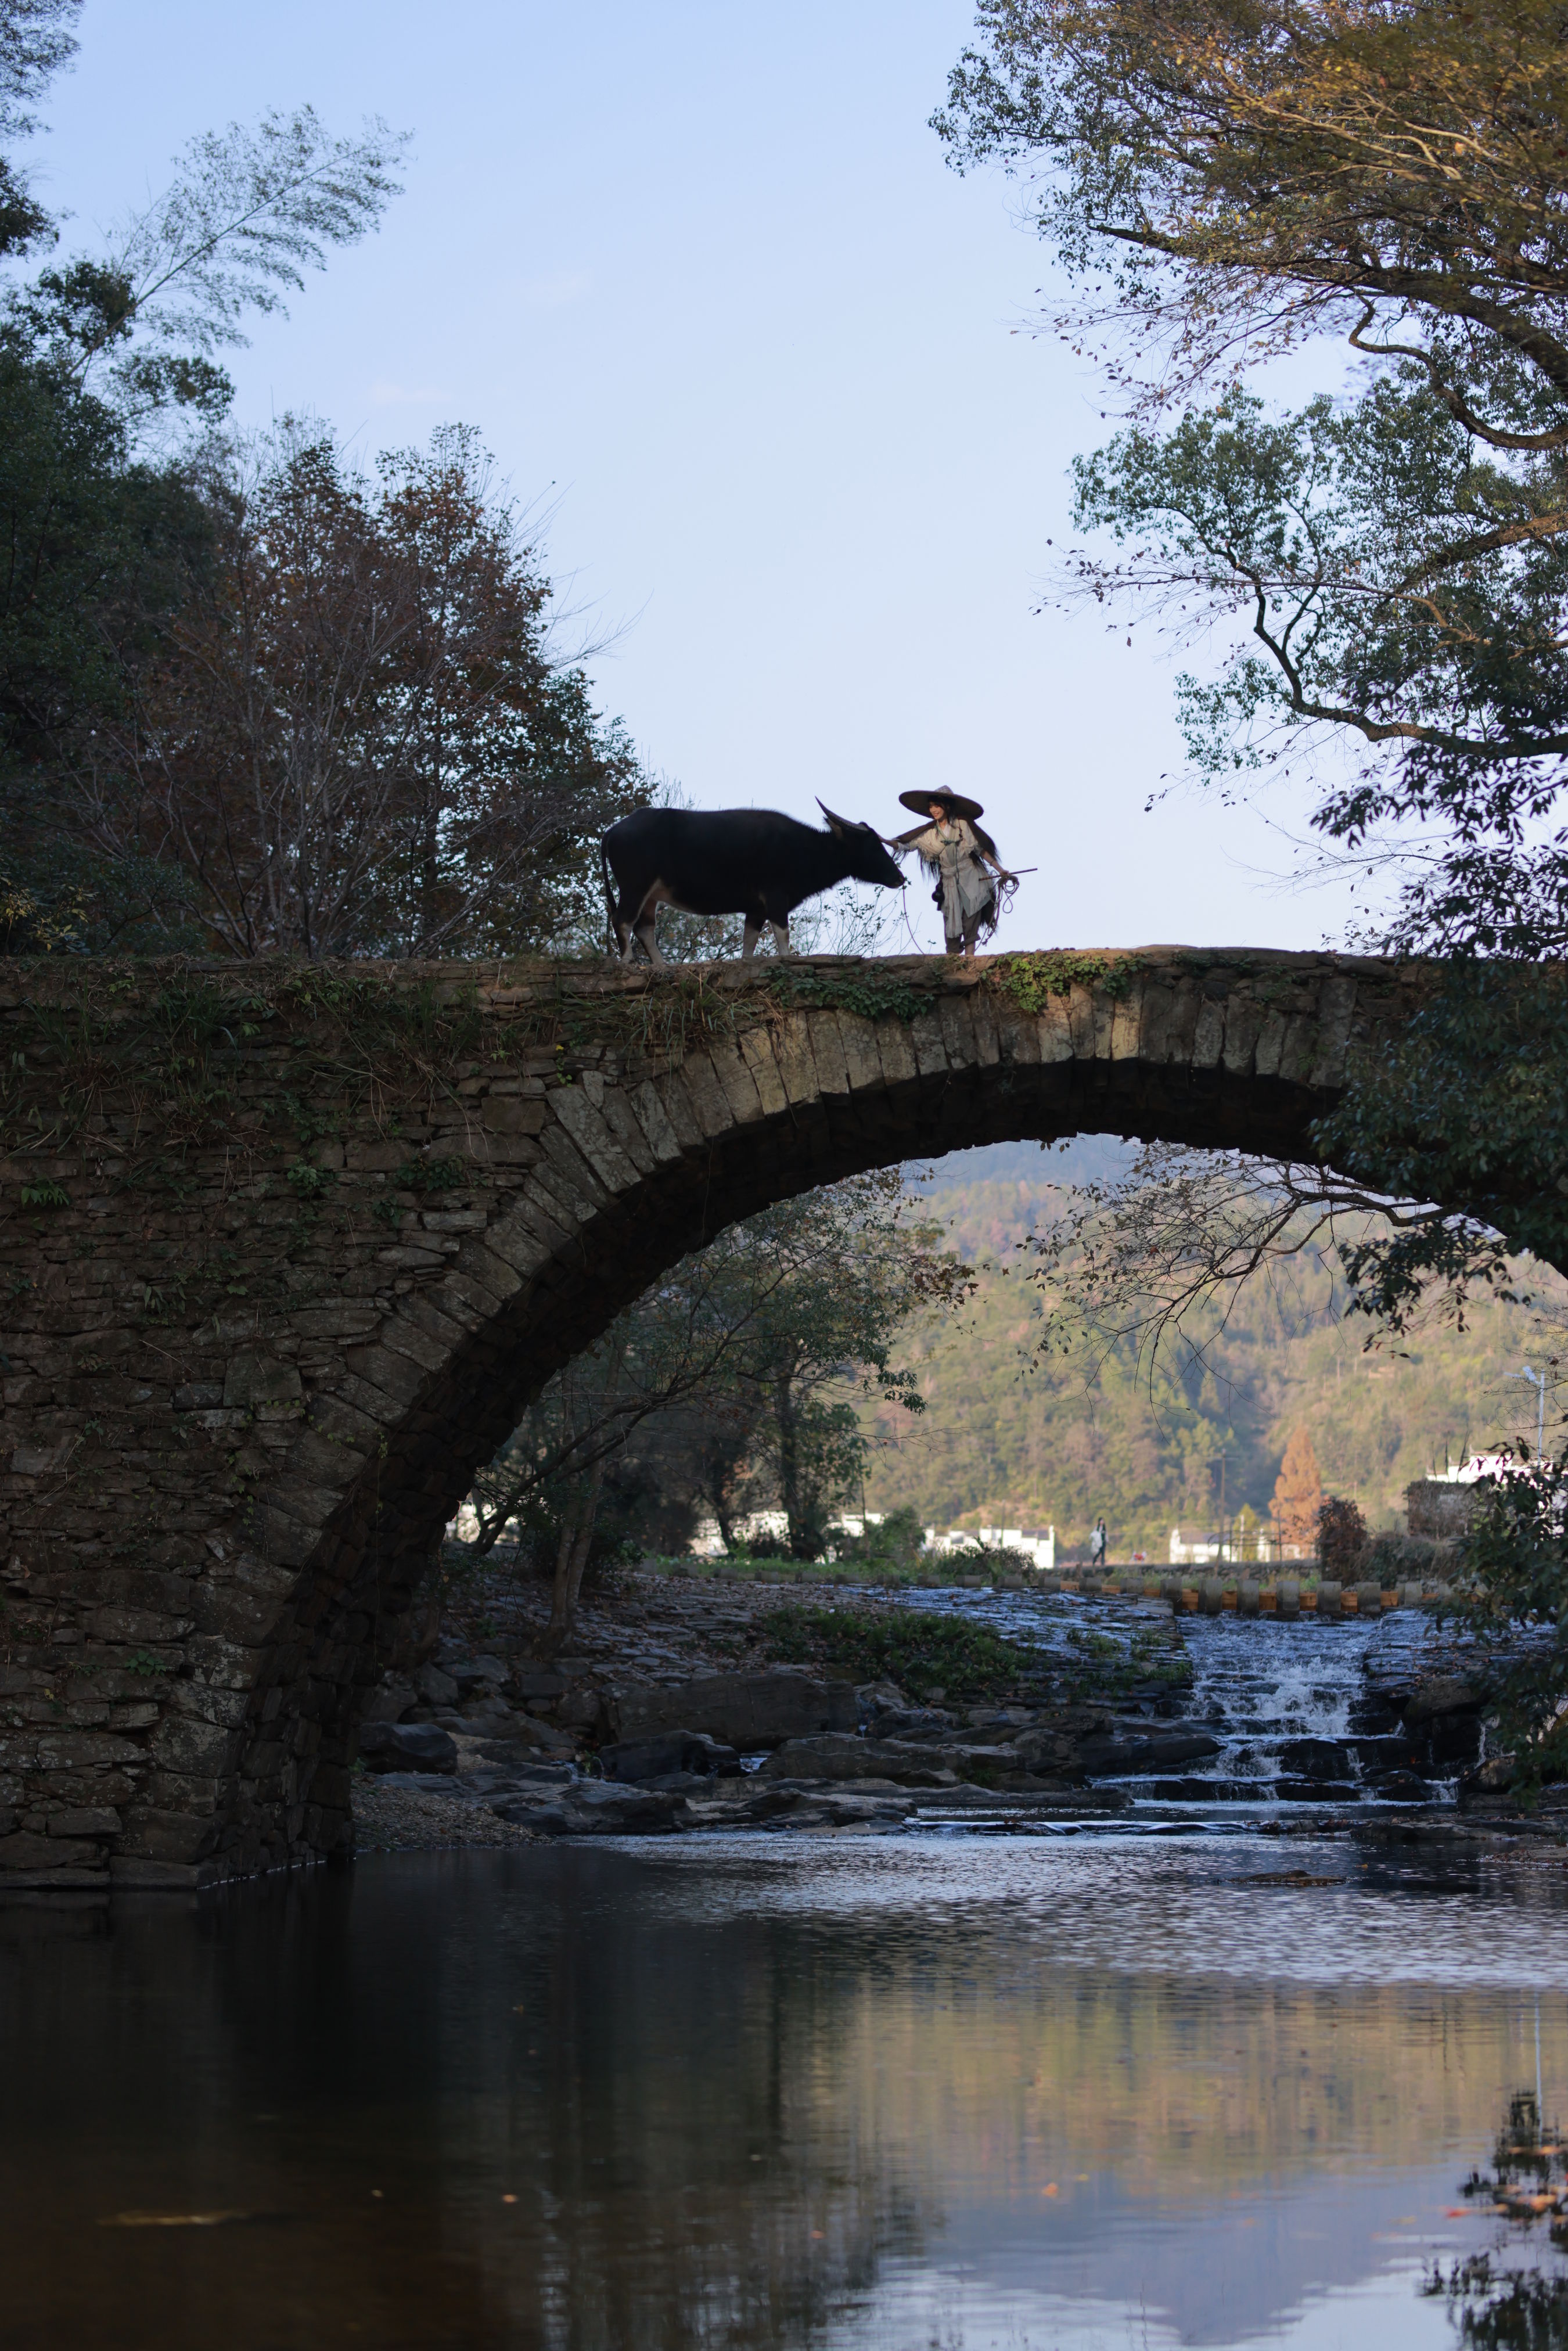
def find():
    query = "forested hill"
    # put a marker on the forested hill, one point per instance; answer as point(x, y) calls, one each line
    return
point(1011, 1435)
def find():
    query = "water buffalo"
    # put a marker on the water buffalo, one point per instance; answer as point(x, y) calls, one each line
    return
point(750, 861)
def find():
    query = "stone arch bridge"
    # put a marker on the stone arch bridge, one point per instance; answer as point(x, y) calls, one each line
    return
point(284, 1251)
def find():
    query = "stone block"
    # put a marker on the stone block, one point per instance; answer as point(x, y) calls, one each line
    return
point(407, 1746)
point(252, 1379)
point(393, 1376)
point(925, 1038)
point(169, 1836)
point(634, 1760)
point(757, 1051)
point(653, 1106)
point(957, 1031)
point(838, 1756)
point(77, 1750)
point(504, 1114)
point(746, 1711)
point(1209, 1035)
point(132, 1874)
point(570, 1176)
point(86, 1820)
point(857, 1064)
point(21, 1851)
point(796, 1068)
point(895, 1051)
point(1243, 1026)
point(195, 1747)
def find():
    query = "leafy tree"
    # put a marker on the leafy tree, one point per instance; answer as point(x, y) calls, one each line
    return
point(1395, 581)
point(1229, 179)
point(1220, 183)
point(1514, 1611)
point(35, 41)
point(98, 534)
point(1299, 1490)
point(351, 737)
point(732, 1378)
point(95, 547)
point(854, 1269)
point(1340, 1536)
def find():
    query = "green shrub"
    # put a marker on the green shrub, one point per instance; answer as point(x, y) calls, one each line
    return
point(918, 1650)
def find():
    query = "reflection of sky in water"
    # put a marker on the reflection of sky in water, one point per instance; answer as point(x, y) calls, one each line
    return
point(1130, 1902)
point(1309, 2238)
point(751, 2094)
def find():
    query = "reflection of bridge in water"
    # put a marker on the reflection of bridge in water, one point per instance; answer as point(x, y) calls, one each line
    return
point(805, 2091)
point(288, 1250)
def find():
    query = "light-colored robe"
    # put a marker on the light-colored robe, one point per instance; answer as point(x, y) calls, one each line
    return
point(951, 854)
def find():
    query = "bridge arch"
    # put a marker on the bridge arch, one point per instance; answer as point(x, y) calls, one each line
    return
point(283, 1258)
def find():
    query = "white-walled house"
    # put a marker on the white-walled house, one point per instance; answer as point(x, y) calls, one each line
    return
point(1037, 1543)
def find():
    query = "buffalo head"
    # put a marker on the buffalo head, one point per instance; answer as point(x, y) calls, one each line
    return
point(864, 846)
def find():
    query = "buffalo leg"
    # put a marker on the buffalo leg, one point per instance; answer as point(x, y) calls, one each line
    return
point(780, 935)
point(646, 927)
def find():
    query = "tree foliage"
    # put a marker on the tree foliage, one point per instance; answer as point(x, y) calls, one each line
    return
point(1299, 1490)
point(1235, 177)
point(1239, 179)
point(1395, 581)
point(250, 700)
point(35, 41)
point(351, 737)
point(1514, 1615)
point(1222, 182)
point(731, 1382)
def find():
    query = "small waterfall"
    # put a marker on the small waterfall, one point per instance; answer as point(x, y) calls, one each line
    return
point(1302, 1712)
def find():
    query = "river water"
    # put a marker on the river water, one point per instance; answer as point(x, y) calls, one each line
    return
point(924, 2091)
point(938, 2091)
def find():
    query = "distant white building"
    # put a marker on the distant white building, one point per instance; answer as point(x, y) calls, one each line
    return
point(709, 1543)
point(1230, 1548)
point(1037, 1543)
point(1470, 1472)
point(1191, 1549)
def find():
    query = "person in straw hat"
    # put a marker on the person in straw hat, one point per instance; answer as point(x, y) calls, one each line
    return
point(962, 861)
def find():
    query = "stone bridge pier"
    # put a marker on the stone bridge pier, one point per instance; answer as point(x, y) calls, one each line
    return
point(284, 1251)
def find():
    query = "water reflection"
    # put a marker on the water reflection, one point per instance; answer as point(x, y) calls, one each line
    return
point(1507, 2296)
point(766, 2094)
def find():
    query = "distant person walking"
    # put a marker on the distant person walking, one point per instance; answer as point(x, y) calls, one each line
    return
point(1097, 1544)
point(971, 880)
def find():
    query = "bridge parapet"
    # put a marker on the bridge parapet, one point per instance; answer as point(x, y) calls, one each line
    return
point(285, 1251)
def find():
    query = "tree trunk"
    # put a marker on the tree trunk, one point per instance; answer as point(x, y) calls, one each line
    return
point(789, 1460)
point(571, 1558)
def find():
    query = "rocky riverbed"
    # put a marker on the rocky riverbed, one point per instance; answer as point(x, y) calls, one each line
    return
point(716, 1703)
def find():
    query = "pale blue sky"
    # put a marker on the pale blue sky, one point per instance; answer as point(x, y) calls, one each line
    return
point(701, 279)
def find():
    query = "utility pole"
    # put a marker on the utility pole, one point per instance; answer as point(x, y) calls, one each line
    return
point(1538, 1382)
